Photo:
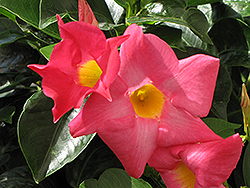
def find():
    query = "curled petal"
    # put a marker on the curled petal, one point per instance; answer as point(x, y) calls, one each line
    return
point(196, 83)
point(86, 14)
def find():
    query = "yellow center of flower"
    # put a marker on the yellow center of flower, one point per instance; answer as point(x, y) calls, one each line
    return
point(184, 176)
point(89, 73)
point(147, 101)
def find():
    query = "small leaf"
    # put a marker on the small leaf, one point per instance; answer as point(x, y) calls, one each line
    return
point(221, 127)
point(113, 178)
point(6, 114)
point(46, 146)
point(47, 50)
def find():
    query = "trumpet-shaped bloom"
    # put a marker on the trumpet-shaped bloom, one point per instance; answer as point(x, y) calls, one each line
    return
point(202, 164)
point(83, 62)
point(154, 95)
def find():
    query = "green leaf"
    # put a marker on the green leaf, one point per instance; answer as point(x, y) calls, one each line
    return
point(230, 41)
point(10, 36)
point(173, 37)
point(200, 2)
point(113, 178)
point(47, 50)
point(221, 127)
point(222, 93)
point(193, 19)
point(91, 163)
point(221, 10)
point(246, 166)
point(198, 23)
point(6, 114)
point(46, 146)
point(17, 177)
point(240, 6)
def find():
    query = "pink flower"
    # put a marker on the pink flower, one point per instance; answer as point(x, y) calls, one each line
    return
point(155, 95)
point(83, 62)
point(201, 164)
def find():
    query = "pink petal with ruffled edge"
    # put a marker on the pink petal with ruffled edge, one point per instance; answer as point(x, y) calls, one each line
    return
point(81, 42)
point(132, 139)
point(197, 80)
point(211, 162)
point(146, 56)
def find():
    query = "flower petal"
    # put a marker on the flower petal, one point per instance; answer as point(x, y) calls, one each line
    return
point(110, 63)
point(90, 39)
point(197, 80)
point(133, 140)
point(146, 56)
point(176, 124)
point(97, 110)
point(211, 162)
point(65, 93)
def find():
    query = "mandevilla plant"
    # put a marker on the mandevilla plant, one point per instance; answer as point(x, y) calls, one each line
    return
point(121, 93)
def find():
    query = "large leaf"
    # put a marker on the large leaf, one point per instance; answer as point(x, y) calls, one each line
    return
point(47, 50)
point(192, 18)
point(230, 41)
point(115, 177)
point(173, 38)
point(240, 6)
point(18, 177)
point(91, 163)
point(47, 147)
point(221, 127)
point(222, 93)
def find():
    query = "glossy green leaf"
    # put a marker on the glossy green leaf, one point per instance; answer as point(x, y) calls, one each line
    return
point(193, 19)
point(221, 10)
point(46, 146)
point(91, 163)
point(240, 6)
point(222, 93)
point(173, 38)
point(200, 2)
point(221, 127)
point(246, 166)
point(47, 50)
point(18, 177)
point(6, 113)
point(7, 14)
point(10, 36)
point(115, 177)
point(230, 41)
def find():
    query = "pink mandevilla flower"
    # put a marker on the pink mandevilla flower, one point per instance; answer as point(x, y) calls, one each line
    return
point(156, 100)
point(83, 62)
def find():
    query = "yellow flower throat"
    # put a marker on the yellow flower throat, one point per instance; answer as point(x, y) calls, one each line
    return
point(89, 73)
point(147, 101)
